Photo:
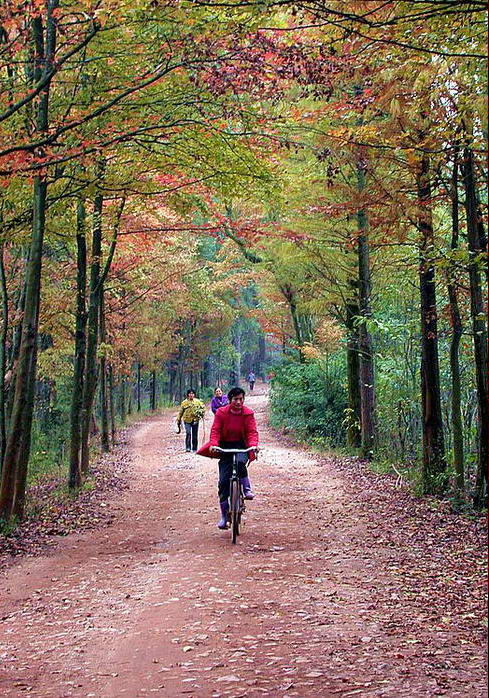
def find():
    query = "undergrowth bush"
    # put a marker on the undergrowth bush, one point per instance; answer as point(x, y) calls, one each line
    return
point(309, 401)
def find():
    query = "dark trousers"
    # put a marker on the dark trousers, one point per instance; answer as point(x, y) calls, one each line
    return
point(191, 435)
point(226, 468)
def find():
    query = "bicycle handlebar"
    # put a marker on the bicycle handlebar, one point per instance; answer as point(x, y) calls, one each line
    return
point(234, 450)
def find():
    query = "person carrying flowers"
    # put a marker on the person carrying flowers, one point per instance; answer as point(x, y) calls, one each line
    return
point(191, 412)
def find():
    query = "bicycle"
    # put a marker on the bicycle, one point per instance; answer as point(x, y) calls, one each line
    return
point(236, 496)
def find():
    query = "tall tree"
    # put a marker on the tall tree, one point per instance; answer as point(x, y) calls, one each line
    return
point(16, 457)
point(457, 330)
point(367, 374)
point(434, 464)
point(74, 479)
point(476, 252)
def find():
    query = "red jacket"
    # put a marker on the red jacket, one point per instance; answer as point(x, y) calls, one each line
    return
point(228, 426)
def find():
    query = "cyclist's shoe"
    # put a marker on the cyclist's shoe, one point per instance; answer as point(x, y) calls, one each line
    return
point(223, 521)
point(247, 491)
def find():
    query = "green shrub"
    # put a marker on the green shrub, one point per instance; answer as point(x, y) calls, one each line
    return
point(307, 400)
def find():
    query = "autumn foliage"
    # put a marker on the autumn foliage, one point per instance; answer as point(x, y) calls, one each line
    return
point(178, 176)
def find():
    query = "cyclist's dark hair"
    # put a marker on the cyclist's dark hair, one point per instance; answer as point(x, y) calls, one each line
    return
point(234, 392)
point(191, 390)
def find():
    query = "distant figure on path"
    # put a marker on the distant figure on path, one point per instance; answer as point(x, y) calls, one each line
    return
point(251, 378)
point(219, 400)
point(191, 411)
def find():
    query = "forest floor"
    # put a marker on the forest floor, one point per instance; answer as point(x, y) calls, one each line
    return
point(342, 584)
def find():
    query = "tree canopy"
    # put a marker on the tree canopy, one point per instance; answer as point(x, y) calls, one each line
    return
point(190, 189)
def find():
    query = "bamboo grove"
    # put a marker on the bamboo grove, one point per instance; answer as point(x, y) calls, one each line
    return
point(192, 186)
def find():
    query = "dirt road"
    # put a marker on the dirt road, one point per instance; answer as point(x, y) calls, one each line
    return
point(330, 591)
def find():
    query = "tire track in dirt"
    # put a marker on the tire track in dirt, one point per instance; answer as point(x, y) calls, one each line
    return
point(161, 603)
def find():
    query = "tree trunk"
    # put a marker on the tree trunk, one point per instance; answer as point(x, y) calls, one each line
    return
point(13, 356)
point(477, 311)
point(206, 373)
point(180, 377)
point(91, 377)
point(113, 429)
point(14, 472)
point(456, 413)
point(129, 391)
point(456, 322)
point(122, 402)
point(353, 431)
point(3, 357)
point(434, 465)
point(104, 406)
point(74, 479)
point(153, 390)
point(218, 369)
point(367, 376)
point(171, 381)
point(138, 386)
point(261, 356)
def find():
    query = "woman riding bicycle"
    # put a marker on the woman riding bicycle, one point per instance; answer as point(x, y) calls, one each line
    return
point(234, 427)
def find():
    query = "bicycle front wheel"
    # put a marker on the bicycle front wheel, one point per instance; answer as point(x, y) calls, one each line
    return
point(235, 510)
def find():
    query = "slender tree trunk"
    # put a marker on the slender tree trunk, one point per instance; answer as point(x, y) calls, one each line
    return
point(295, 320)
point(456, 401)
point(180, 377)
point(130, 390)
point(123, 406)
point(261, 356)
point(14, 472)
point(478, 314)
point(104, 407)
point(289, 295)
point(91, 377)
point(138, 386)
point(218, 370)
point(367, 375)
point(74, 479)
point(456, 322)
point(353, 431)
point(3, 356)
point(15, 348)
point(18, 443)
point(206, 373)
point(113, 429)
point(171, 382)
point(153, 390)
point(434, 465)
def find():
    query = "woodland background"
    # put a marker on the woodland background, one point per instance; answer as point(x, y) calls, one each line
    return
point(192, 189)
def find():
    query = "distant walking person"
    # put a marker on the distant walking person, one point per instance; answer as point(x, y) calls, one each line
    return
point(219, 400)
point(191, 411)
point(251, 378)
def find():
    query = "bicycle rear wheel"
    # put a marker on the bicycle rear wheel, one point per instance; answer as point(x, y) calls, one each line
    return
point(235, 510)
